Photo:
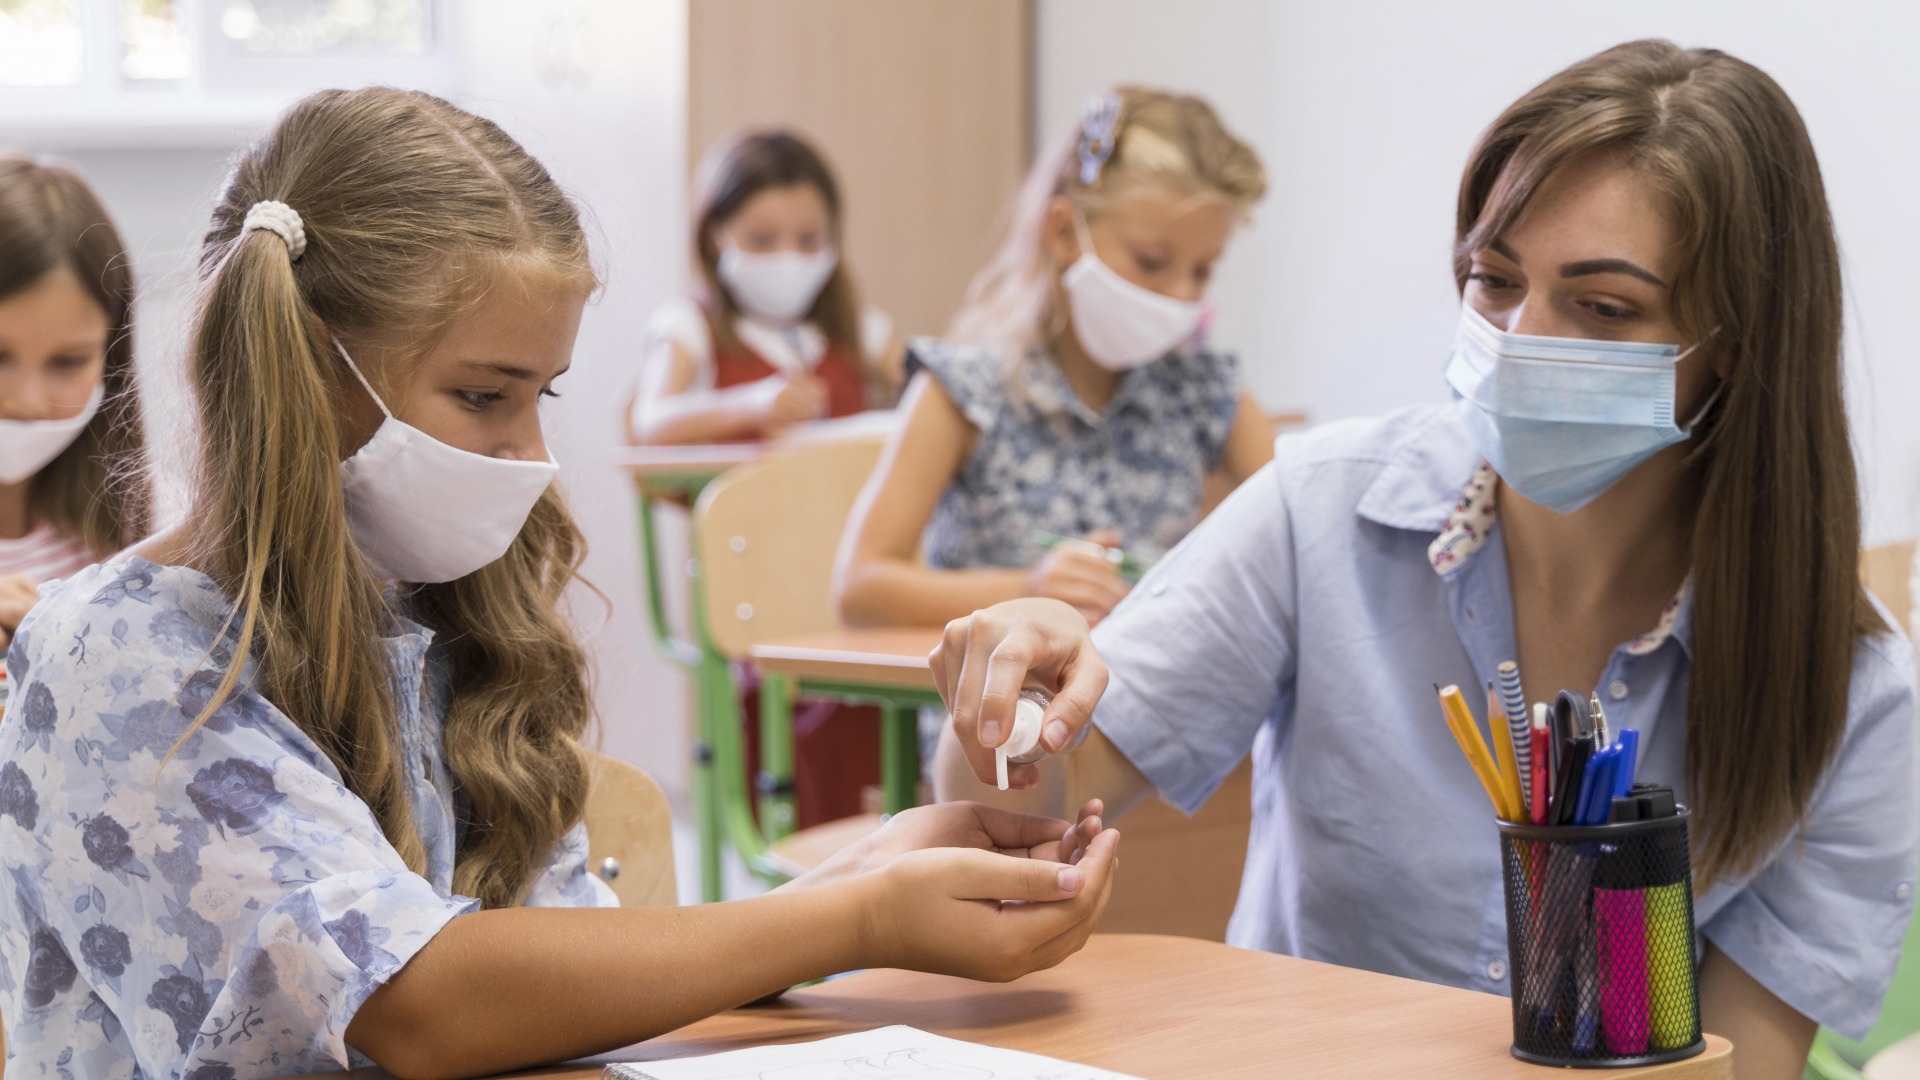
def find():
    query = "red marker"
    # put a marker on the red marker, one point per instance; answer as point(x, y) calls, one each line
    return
point(1542, 752)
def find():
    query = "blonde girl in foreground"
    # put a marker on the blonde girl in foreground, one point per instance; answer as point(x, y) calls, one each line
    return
point(298, 785)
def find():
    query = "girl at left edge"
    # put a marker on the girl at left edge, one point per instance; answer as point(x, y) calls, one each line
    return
point(73, 486)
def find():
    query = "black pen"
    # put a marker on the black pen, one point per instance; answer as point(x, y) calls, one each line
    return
point(1566, 790)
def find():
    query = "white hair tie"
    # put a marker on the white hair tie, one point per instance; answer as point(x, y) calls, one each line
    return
point(281, 219)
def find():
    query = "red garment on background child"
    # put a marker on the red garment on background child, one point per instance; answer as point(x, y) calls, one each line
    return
point(836, 748)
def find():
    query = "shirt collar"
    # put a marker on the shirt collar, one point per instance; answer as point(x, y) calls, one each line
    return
point(1049, 392)
point(791, 348)
point(1426, 467)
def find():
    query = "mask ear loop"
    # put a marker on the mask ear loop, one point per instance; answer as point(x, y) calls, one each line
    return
point(1720, 386)
point(1081, 233)
point(355, 368)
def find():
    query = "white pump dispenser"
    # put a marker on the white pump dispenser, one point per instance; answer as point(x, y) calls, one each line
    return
point(1023, 743)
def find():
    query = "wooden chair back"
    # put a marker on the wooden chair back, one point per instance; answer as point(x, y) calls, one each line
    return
point(767, 535)
point(1887, 572)
point(630, 834)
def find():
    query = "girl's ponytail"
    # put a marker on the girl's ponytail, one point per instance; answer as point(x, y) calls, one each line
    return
point(265, 367)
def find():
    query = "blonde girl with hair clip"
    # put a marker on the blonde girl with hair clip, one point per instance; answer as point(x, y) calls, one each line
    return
point(775, 334)
point(297, 785)
point(1073, 418)
point(73, 485)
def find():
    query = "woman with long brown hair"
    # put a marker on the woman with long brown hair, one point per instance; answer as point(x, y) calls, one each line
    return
point(298, 784)
point(73, 482)
point(1643, 489)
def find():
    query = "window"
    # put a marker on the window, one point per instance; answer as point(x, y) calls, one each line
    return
point(78, 73)
point(153, 37)
point(41, 43)
point(306, 27)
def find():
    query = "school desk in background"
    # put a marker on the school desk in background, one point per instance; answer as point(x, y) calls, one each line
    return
point(726, 810)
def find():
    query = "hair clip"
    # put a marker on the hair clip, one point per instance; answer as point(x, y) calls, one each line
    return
point(1099, 129)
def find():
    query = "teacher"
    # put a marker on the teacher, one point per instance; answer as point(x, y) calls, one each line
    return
point(1642, 488)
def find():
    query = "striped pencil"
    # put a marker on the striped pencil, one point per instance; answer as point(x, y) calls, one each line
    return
point(1514, 703)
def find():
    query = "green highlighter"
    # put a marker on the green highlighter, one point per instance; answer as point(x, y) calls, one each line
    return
point(1130, 566)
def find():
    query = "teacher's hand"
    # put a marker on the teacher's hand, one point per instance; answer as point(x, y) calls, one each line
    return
point(985, 659)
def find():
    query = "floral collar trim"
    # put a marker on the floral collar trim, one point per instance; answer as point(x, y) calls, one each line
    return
point(1472, 521)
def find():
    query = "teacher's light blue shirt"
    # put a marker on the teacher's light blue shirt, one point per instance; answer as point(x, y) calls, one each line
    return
point(1307, 621)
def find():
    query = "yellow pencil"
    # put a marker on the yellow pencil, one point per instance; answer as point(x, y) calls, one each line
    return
point(1467, 734)
point(1504, 756)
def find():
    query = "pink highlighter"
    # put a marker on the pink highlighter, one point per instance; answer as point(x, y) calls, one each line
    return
point(1620, 921)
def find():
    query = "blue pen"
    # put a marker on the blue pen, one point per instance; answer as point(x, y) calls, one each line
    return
point(1596, 800)
point(1596, 788)
point(1629, 753)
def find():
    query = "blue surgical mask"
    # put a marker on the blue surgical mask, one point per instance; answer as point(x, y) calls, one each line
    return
point(1563, 419)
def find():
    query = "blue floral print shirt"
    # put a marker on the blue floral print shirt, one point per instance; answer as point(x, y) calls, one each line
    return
point(222, 913)
point(1044, 461)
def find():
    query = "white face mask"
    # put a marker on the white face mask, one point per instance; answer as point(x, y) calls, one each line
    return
point(1121, 325)
point(776, 285)
point(423, 511)
point(27, 445)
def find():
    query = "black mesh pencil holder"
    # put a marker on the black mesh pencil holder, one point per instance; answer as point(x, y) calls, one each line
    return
point(1600, 943)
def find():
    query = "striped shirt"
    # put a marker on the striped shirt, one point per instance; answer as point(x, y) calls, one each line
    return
point(44, 554)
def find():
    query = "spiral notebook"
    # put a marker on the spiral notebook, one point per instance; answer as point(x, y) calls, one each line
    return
point(881, 1054)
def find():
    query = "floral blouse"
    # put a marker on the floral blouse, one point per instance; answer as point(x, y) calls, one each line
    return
point(222, 913)
point(1045, 462)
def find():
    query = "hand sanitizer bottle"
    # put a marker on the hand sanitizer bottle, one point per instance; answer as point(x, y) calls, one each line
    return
point(1023, 743)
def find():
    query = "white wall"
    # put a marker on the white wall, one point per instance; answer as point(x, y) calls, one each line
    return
point(597, 90)
point(1365, 112)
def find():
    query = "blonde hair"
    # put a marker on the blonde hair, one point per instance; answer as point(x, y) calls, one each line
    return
point(1158, 141)
point(413, 211)
point(97, 490)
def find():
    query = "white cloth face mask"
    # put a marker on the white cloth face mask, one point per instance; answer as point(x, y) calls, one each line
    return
point(422, 511)
point(1121, 325)
point(26, 446)
point(780, 286)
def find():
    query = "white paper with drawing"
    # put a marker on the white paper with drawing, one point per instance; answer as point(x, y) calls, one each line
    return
point(889, 1053)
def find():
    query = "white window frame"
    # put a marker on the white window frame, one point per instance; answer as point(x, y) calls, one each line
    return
point(227, 96)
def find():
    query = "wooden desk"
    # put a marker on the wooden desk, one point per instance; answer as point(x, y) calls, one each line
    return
point(884, 667)
point(894, 658)
point(1162, 1007)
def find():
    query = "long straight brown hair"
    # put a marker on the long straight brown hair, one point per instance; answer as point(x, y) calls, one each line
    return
point(1778, 604)
point(413, 212)
point(733, 171)
point(97, 490)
